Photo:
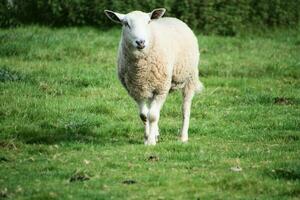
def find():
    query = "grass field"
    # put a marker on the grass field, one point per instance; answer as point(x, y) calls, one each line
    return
point(68, 130)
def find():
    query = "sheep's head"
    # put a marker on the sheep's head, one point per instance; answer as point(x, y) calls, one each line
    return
point(136, 25)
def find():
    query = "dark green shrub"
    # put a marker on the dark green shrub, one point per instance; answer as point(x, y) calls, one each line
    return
point(7, 17)
point(226, 17)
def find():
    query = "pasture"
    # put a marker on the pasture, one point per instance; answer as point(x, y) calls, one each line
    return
point(68, 130)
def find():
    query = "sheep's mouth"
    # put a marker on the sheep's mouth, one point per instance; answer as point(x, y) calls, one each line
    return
point(140, 47)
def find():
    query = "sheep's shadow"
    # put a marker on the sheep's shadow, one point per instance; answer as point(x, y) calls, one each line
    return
point(57, 135)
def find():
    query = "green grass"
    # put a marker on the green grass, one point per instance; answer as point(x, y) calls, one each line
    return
point(68, 130)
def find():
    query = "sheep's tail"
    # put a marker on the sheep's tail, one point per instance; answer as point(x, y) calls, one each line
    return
point(199, 86)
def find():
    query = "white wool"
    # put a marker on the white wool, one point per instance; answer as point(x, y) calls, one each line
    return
point(171, 62)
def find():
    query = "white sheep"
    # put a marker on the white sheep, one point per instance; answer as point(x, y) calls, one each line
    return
point(157, 55)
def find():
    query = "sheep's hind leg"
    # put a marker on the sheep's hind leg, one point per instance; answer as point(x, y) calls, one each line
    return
point(188, 95)
point(144, 117)
point(153, 116)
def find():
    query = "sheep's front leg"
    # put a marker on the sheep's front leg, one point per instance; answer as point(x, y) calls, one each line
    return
point(186, 111)
point(153, 116)
point(144, 117)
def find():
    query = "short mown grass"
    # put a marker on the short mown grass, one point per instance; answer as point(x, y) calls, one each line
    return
point(68, 130)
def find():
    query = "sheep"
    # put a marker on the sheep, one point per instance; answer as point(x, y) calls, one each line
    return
point(156, 56)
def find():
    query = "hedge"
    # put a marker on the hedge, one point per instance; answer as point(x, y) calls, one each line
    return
point(226, 17)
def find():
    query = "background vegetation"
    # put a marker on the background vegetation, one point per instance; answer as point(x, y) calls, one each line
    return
point(226, 17)
point(68, 130)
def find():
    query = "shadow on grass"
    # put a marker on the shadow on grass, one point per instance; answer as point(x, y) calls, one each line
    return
point(52, 136)
point(285, 173)
point(80, 133)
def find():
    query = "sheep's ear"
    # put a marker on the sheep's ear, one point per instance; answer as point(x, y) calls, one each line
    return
point(157, 13)
point(114, 16)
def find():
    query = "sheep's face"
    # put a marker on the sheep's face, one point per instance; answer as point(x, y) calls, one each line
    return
point(136, 29)
point(136, 26)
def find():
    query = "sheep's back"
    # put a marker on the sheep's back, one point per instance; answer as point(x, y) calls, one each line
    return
point(182, 45)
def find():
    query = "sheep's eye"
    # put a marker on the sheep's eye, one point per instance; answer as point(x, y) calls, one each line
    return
point(126, 24)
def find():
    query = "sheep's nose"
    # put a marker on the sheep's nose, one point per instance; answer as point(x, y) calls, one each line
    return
point(140, 44)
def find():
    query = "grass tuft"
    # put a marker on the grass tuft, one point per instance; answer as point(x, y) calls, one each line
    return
point(80, 176)
point(9, 75)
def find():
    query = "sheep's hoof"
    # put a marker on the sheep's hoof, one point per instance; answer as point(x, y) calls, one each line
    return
point(150, 143)
point(184, 139)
